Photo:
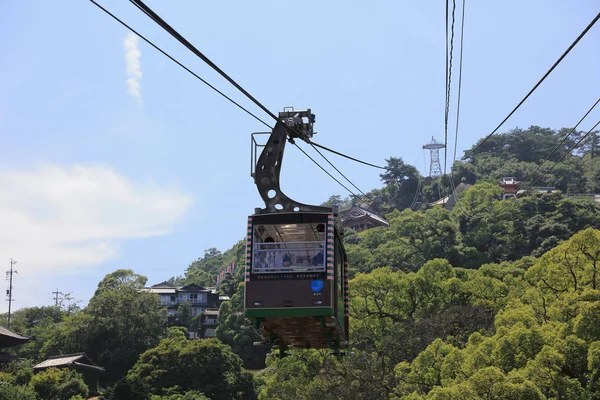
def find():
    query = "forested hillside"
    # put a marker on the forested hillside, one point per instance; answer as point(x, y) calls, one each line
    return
point(489, 300)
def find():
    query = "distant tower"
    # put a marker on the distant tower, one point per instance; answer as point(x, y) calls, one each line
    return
point(434, 147)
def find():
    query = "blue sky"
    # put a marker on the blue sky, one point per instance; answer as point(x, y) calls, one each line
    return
point(99, 173)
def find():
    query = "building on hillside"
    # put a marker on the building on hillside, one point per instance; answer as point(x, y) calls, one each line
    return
point(10, 339)
point(201, 299)
point(450, 201)
point(208, 324)
point(510, 186)
point(361, 217)
point(80, 363)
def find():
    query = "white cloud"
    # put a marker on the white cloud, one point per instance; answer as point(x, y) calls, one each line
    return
point(133, 68)
point(55, 218)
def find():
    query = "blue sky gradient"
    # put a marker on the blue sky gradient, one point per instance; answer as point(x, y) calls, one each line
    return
point(95, 179)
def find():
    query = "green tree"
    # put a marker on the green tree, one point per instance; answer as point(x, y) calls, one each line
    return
point(121, 278)
point(177, 365)
point(119, 323)
point(58, 384)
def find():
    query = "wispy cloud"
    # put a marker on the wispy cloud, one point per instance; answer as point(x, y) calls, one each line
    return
point(133, 68)
point(65, 219)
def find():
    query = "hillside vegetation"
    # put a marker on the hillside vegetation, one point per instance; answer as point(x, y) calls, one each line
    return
point(489, 300)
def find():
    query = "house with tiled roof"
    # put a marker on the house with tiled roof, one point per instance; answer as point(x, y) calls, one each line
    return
point(361, 217)
point(80, 362)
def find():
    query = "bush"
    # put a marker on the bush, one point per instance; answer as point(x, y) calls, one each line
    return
point(9, 391)
point(73, 386)
point(191, 395)
point(21, 370)
point(58, 384)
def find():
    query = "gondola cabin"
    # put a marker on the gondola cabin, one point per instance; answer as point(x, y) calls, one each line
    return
point(296, 279)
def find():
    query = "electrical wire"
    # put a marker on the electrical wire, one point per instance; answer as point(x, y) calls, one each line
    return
point(563, 157)
point(581, 35)
point(558, 145)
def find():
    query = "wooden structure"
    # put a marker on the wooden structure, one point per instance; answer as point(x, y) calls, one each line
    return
point(80, 363)
point(9, 338)
point(361, 217)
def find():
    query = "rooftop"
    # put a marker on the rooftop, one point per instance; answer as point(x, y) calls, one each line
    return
point(67, 360)
point(9, 338)
point(357, 211)
point(165, 288)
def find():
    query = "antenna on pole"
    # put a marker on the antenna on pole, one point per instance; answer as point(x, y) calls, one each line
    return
point(435, 169)
point(9, 275)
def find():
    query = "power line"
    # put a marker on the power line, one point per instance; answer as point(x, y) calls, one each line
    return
point(564, 155)
point(462, 37)
point(581, 35)
point(558, 145)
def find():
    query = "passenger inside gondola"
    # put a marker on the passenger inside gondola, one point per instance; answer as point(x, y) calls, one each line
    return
point(298, 247)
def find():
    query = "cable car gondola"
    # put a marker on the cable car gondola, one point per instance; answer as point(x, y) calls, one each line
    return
point(296, 277)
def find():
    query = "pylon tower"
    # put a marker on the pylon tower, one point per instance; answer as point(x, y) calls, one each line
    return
point(435, 169)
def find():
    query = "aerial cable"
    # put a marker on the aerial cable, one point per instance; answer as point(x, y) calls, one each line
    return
point(205, 82)
point(581, 35)
point(559, 145)
point(564, 155)
point(327, 172)
point(347, 156)
point(344, 176)
point(180, 64)
point(462, 37)
point(170, 30)
point(156, 18)
point(448, 79)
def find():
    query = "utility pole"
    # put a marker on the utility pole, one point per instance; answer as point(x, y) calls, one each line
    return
point(56, 296)
point(9, 274)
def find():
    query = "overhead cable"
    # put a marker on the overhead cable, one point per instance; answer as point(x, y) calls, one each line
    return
point(347, 156)
point(559, 145)
point(327, 172)
point(209, 85)
point(581, 35)
point(462, 37)
point(180, 64)
point(448, 79)
point(564, 155)
point(156, 18)
point(344, 176)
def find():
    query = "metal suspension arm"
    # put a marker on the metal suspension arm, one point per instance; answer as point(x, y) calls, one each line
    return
point(296, 124)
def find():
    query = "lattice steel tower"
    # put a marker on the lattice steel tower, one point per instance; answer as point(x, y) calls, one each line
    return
point(435, 169)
